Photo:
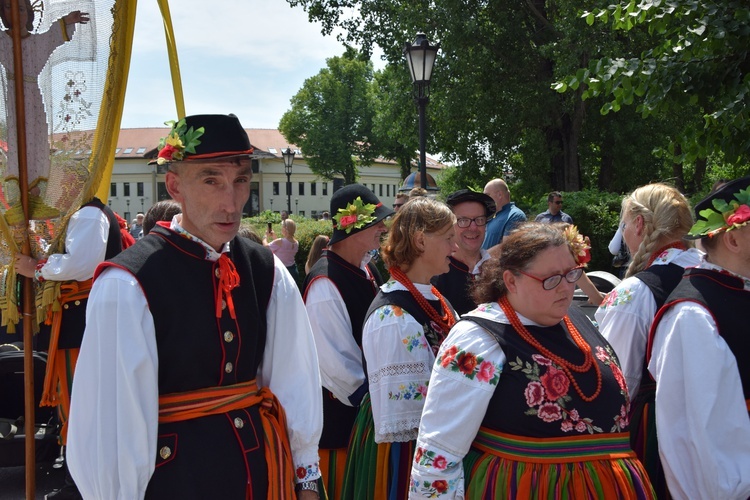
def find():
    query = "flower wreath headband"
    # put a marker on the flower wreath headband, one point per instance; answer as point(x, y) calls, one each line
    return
point(578, 245)
point(355, 215)
point(723, 216)
point(180, 141)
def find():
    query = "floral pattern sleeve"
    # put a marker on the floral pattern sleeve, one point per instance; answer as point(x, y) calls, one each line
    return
point(464, 377)
point(399, 360)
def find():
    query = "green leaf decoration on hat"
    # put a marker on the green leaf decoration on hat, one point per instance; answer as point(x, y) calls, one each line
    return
point(356, 215)
point(181, 140)
point(723, 216)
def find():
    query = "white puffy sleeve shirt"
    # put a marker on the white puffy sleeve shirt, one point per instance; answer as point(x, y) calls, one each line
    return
point(114, 411)
point(627, 312)
point(701, 415)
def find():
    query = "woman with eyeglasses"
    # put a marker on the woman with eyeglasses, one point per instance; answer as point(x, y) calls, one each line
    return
point(654, 220)
point(526, 399)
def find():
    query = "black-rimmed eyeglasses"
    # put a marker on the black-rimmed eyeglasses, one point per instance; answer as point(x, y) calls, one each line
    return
point(551, 282)
point(465, 222)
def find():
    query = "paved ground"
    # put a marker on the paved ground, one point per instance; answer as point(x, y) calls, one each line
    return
point(13, 481)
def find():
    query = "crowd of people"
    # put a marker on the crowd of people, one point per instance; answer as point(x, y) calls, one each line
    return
point(192, 364)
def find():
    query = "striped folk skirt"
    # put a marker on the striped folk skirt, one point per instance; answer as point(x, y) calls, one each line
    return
point(576, 467)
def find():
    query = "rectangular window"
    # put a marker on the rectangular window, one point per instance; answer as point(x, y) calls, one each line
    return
point(372, 188)
point(325, 189)
point(301, 213)
point(387, 189)
point(113, 189)
point(139, 188)
point(381, 190)
point(126, 189)
point(275, 188)
point(302, 189)
point(313, 188)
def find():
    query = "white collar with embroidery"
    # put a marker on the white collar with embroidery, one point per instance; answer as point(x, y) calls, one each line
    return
point(211, 254)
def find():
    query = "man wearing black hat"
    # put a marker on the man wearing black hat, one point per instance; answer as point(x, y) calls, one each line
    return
point(198, 376)
point(472, 211)
point(337, 294)
point(698, 349)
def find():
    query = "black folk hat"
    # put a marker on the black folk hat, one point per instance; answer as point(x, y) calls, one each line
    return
point(204, 137)
point(725, 209)
point(355, 208)
point(464, 195)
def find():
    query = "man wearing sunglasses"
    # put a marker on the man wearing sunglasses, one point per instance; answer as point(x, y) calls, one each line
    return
point(472, 211)
point(554, 211)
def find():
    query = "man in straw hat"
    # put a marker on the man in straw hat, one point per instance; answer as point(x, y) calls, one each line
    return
point(198, 376)
point(698, 349)
point(337, 294)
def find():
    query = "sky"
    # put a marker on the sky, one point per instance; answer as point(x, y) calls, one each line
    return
point(247, 57)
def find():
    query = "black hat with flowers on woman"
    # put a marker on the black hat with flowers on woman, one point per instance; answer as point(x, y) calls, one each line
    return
point(355, 208)
point(204, 137)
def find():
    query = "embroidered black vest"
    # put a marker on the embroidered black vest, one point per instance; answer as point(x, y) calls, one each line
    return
point(357, 290)
point(726, 298)
point(219, 455)
point(73, 322)
point(535, 398)
point(454, 285)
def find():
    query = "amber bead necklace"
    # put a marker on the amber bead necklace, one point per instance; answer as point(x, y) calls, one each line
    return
point(446, 321)
point(567, 366)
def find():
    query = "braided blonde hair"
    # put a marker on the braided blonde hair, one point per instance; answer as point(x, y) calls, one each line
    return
point(667, 218)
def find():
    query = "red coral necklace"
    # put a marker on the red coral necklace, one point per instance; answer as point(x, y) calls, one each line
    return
point(567, 366)
point(446, 321)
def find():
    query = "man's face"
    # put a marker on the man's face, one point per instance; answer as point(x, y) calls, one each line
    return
point(212, 194)
point(369, 239)
point(555, 205)
point(469, 239)
point(498, 196)
point(139, 220)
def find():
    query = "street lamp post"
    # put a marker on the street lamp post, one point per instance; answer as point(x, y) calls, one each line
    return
point(271, 205)
point(421, 57)
point(288, 155)
point(296, 206)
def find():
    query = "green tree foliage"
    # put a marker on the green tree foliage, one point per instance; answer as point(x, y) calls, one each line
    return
point(331, 118)
point(492, 111)
point(696, 63)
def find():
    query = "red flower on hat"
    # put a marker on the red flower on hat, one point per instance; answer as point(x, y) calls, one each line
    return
point(348, 219)
point(740, 216)
point(167, 152)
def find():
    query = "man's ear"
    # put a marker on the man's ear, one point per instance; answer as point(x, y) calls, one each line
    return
point(172, 182)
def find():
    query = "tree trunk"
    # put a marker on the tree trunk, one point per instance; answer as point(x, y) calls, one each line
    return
point(678, 172)
point(700, 173)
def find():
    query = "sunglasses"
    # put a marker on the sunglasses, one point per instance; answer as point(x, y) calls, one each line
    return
point(398, 205)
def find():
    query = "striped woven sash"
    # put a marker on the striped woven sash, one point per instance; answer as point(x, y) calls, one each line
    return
point(69, 291)
point(178, 407)
point(554, 450)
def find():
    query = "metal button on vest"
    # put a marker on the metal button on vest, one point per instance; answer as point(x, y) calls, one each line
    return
point(165, 452)
point(78, 302)
point(66, 306)
point(223, 304)
point(239, 423)
point(228, 367)
point(228, 336)
point(217, 272)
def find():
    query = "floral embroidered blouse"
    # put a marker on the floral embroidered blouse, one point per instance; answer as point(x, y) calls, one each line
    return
point(627, 312)
point(464, 380)
point(399, 360)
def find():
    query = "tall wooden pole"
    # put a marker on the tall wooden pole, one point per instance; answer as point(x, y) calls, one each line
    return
point(27, 304)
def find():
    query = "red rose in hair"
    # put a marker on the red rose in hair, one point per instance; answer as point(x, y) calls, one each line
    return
point(741, 215)
point(467, 362)
point(555, 383)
